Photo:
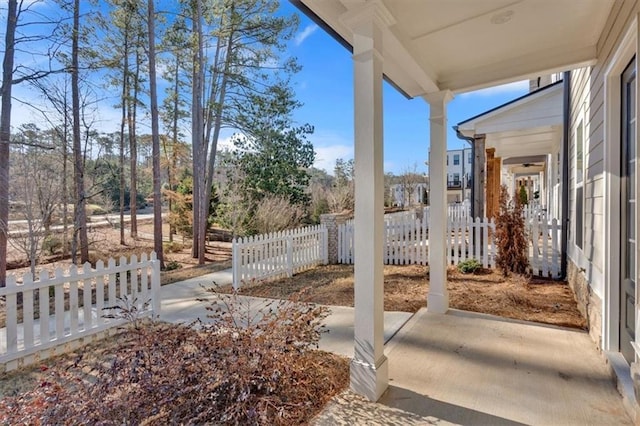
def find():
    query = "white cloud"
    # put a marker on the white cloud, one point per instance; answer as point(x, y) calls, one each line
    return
point(225, 143)
point(304, 34)
point(516, 86)
point(326, 156)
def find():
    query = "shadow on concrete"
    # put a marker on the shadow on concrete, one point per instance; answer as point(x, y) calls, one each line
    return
point(423, 406)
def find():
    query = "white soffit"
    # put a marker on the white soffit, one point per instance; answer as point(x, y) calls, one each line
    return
point(464, 45)
point(536, 109)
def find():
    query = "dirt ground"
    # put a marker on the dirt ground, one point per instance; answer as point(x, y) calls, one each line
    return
point(105, 243)
point(405, 289)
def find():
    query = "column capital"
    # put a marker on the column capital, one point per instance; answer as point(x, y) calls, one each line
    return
point(359, 19)
point(438, 98)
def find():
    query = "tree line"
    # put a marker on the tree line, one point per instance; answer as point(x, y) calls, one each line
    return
point(177, 77)
point(222, 64)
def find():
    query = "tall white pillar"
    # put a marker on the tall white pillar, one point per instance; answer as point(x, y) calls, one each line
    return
point(438, 298)
point(369, 367)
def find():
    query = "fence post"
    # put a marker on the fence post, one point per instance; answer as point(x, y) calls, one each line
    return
point(289, 254)
point(332, 222)
point(235, 259)
point(324, 245)
point(155, 285)
point(12, 314)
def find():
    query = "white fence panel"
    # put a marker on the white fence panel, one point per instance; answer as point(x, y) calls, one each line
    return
point(407, 242)
point(280, 254)
point(60, 318)
point(544, 247)
point(471, 239)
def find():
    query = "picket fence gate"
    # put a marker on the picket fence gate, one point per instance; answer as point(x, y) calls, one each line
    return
point(39, 330)
point(279, 254)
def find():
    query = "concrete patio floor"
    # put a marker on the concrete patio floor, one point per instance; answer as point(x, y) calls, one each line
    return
point(475, 369)
point(459, 368)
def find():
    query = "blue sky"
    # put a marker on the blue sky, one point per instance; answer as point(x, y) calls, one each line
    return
point(325, 86)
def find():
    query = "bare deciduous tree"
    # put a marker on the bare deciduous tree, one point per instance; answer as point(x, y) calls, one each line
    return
point(36, 188)
point(5, 132)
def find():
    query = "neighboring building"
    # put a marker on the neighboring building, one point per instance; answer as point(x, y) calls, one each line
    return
point(519, 144)
point(403, 195)
point(459, 174)
point(459, 163)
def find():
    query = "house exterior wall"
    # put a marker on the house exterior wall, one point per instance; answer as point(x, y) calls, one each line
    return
point(587, 119)
point(589, 303)
point(594, 266)
point(588, 108)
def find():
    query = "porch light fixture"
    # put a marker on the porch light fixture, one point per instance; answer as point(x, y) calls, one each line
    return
point(502, 17)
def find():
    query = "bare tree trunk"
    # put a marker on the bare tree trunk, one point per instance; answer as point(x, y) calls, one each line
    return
point(172, 164)
point(5, 133)
point(155, 136)
point(65, 182)
point(217, 119)
point(125, 92)
point(197, 128)
point(133, 150)
point(80, 212)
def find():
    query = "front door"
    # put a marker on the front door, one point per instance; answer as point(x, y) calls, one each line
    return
point(628, 212)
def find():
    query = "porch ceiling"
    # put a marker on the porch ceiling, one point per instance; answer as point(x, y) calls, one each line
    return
point(462, 45)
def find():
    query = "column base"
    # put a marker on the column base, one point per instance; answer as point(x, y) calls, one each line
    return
point(369, 380)
point(437, 303)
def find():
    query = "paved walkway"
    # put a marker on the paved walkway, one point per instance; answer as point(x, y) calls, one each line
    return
point(180, 305)
point(458, 368)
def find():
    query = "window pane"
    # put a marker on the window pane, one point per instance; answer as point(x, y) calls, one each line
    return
point(579, 153)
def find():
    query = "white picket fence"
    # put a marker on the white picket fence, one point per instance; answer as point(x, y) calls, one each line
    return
point(455, 211)
point(544, 247)
point(279, 254)
point(534, 212)
point(44, 316)
point(407, 242)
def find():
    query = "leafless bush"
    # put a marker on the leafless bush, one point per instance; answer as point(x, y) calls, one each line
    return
point(276, 213)
point(244, 367)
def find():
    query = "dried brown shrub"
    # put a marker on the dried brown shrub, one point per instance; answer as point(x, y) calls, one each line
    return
point(511, 238)
point(245, 367)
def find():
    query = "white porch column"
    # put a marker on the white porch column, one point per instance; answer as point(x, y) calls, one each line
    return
point(438, 298)
point(369, 367)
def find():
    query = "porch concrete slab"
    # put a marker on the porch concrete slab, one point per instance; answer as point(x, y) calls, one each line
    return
point(473, 369)
point(180, 304)
point(339, 338)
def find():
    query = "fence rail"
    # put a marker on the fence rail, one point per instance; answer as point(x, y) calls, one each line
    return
point(44, 315)
point(278, 254)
